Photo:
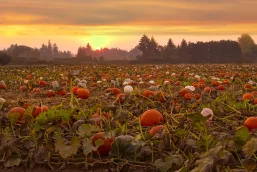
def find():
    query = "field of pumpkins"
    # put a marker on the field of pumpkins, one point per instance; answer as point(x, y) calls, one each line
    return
point(183, 118)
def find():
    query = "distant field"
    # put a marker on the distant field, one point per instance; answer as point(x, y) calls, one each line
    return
point(129, 117)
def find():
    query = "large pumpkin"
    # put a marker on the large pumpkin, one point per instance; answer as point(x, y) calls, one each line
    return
point(105, 148)
point(151, 117)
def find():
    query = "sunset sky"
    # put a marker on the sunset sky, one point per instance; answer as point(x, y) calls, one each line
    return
point(120, 23)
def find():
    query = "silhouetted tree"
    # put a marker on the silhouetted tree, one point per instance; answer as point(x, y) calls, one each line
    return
point(55, 50)
point(169, 51)
point(4, 58)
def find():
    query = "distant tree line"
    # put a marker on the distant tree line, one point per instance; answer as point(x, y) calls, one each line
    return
point(224, 51)
point(4, 58)
point(113, 54)
point(147, 51)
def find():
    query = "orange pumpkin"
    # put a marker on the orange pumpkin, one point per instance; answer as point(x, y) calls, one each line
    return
point(159, 96)
point(83, 93)
point(105, 148)
point(43, 83)
point(151, 117)
point(183, 92)
point(50, 93)
point(18, 110)
point(221, 87)
point(74, 90)
point(95, 119)
point(247, 96)
point(120, 98)
point(148, 93)
point(156, 129)
point(197, 96)
point(188, 96)
point(23, 88)
point(61, 92)
point(36, 90)
point(251, 123)
point(37, 110)
point(207, 90)
point(116, 91)
point(247, 86)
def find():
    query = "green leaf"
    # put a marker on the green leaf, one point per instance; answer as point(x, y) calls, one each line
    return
point(250, 147)
point(13, 117)
point(242, 135)
point(99, 142)
point(28, 114)
point(67, 150)
point(86, 130)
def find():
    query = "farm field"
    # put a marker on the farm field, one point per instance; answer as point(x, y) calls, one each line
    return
point(129, 118)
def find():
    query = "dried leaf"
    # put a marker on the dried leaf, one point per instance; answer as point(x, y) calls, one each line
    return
point(86, 130)
point(164, 166)
point(249, 164)
point(13, 161)
point(88, 147)
point(250, 147)
point(67, 150)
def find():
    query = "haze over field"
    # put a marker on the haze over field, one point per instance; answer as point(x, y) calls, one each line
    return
point(115, 23)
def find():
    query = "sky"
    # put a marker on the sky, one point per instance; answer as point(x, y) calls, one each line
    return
point(121, 23)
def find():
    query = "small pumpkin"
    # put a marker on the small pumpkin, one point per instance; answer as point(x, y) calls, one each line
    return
point(50, 93)
point(120, 98)
point(251, 123)
point(183, 92)
point(148, 93)
point(37, 110)
point(74, 90)
point(156, 129)
point(61, 92)
point(151, 117)
point(83, 93)
point(247, 96)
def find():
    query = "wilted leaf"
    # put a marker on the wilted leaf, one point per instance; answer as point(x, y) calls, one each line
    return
point(67, 150)
point(249, 164)
point(86, 130)
point(88, 147)
point(191, 143)
point(13, 161)
point(207, 159)
point(250, 147)
point(125, 146)
point(43, 152)
point(164, 166)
